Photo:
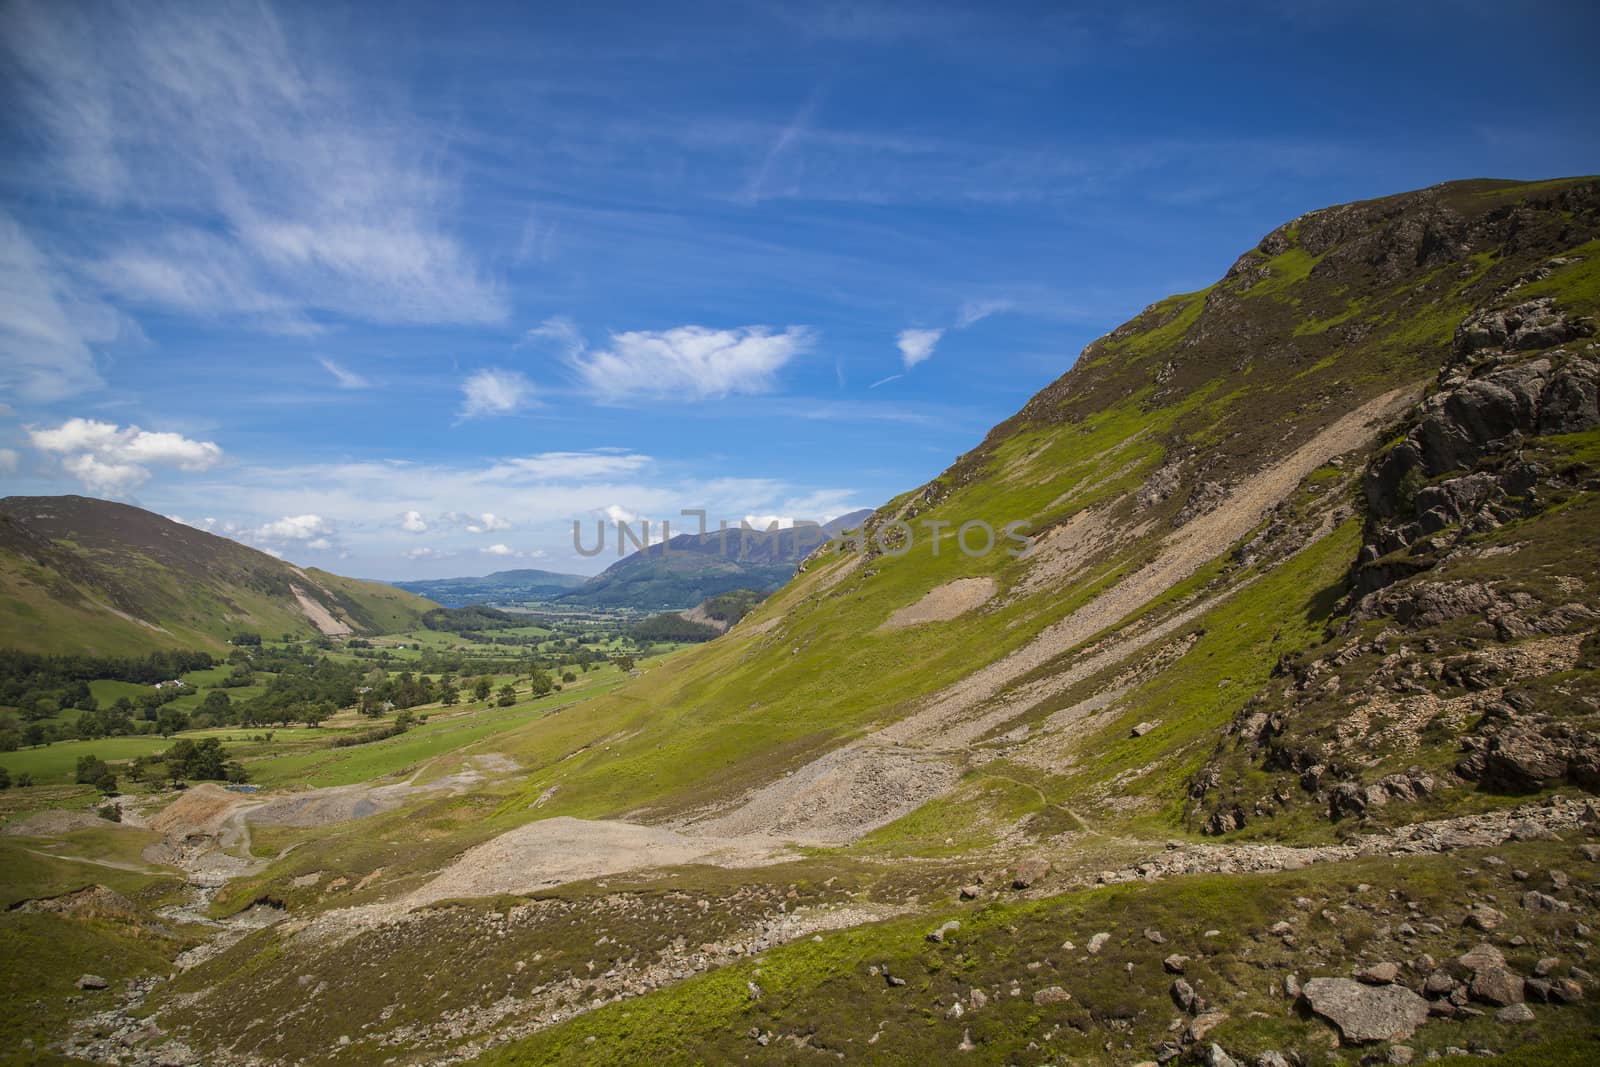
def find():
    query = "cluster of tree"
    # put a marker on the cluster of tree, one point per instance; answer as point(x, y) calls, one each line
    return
point(470, 619)
point(202, 760)
point(673, 627)
point(92, 770)
point(41, 686)
point(23, 780)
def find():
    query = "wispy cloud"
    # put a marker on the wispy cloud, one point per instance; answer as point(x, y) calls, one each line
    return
point(496, 392)
point(917, 345)
point(346, 379)
point(46, 329)
point(265, 184)
point(690, 362)
point(975, 311)
point(114, 460)
point(567, 466)
point(756, 188)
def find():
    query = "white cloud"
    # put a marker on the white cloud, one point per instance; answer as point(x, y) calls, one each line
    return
point(567, 466)
point(496, 392)
point(105, 477)
point(45, 328)
point(9, 461)
point(917, 345)
point(346, 379)
point(690, 362)
point(427, 553)
point(413, 522)
point(269, 186)
point(296, 528)
point(115, 460)
point(499, 550)
point(488, 522)
point(321, 544)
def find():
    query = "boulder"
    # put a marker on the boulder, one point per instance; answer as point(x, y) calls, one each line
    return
point(1183, 994)
point(1028, 872)
point(1533, 900)
point(1203, 1024)
point(1097, 942)
point(1482, 957)
point(1216, 1057)
point(1514, 1013)
point(1364, 1013)
point(92, 981)
point(1497, 985)
point(1051, 995)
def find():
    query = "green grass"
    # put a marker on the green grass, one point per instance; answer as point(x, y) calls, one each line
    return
point(1119, 1010)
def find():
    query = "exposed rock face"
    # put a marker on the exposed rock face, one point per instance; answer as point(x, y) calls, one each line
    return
point(1366, 1013)
point(1461, 469)
point(1534, 324)
point(1527, 758)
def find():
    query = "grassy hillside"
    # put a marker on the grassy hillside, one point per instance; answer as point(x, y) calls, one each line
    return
point(1296, 678)
point(94, 576)
point(1154, 424)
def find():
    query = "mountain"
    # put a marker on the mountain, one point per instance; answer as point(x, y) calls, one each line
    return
point(691, 568)
point(94, 576)
point(1278, 743)
point(501, 587)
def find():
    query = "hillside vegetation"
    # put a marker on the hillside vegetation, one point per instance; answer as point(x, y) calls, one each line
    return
point(98, 577)
point(1275, 745)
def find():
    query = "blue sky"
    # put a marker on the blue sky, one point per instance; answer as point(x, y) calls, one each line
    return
point(403, 290)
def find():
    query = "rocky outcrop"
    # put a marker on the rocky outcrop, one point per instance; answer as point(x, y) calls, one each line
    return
point(1489, 399)
point(1527, 757)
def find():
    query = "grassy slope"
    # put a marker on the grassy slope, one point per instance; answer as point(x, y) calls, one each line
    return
point(107, 579)
point(822, 991)
point(1220, 370)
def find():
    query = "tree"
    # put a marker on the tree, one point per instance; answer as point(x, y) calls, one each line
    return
point(24, 780)
point(624, 663)
point(33, 735)
point(540, 683)
point(89, 769)
point(449, 695)
point(5, 778)
point(172, 720)
point(107, 783)
point(568, 677)
point(481, 690)
point(508, 696)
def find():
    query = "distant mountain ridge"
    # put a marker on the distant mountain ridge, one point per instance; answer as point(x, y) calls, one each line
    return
point(84, 575)
point(691, 568)
point(688, 570)
point(524, 584)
